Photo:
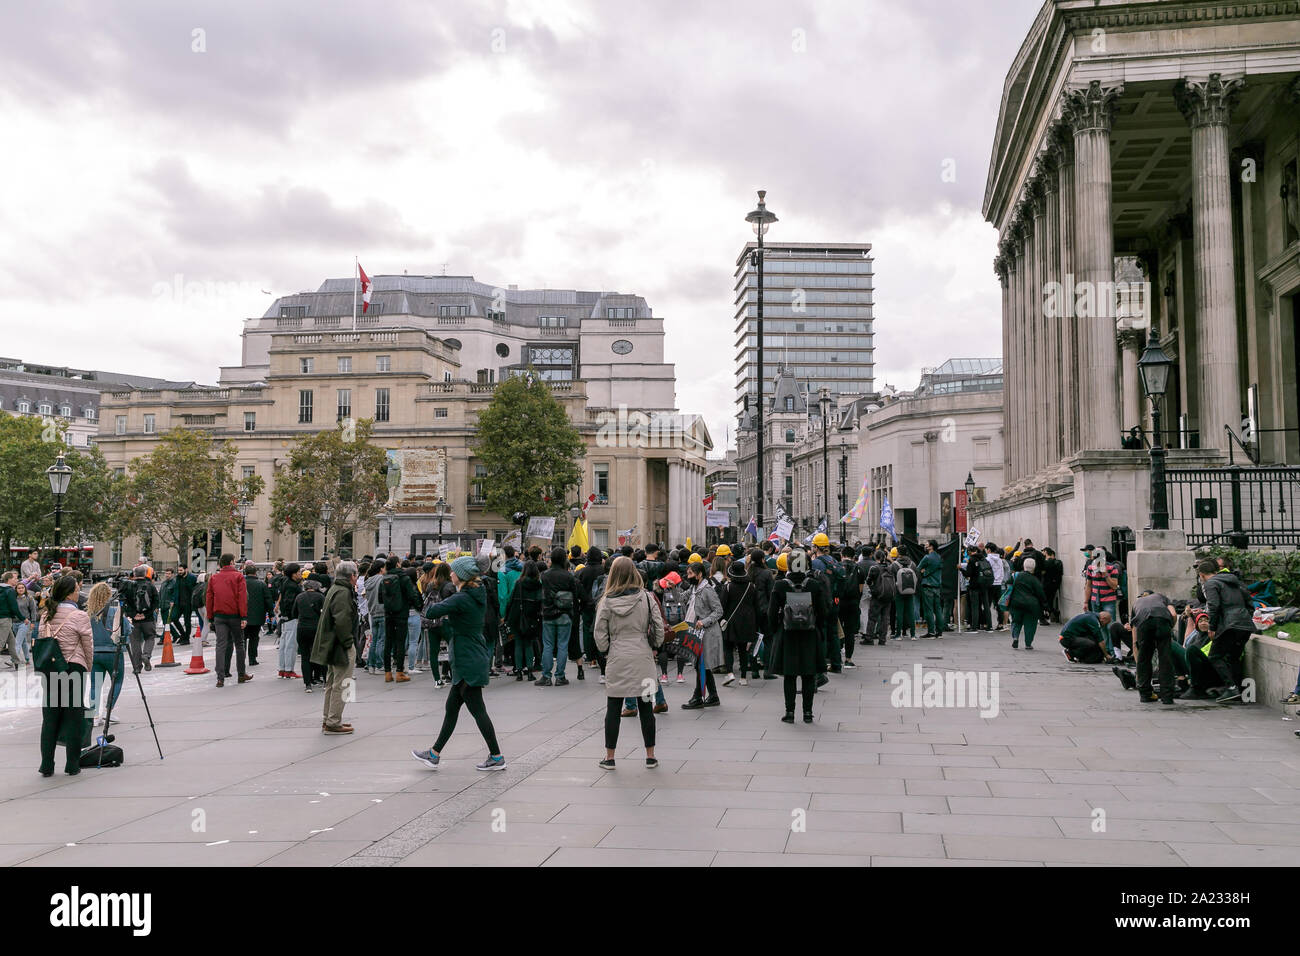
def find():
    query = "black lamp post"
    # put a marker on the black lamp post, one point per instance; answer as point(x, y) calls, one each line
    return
point(267, 544)
point(970, 496)
point(60, 475)
point(844, 504)
point(1154, 367)
point(244, 505)
point(761, 220)
point(326, 512)
point(442, 509)
point(824, 400)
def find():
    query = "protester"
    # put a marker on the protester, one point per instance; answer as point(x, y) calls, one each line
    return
point(378, 618)
point(559, 604)
point(739, 623)
point(290, 588)
point(397, 596)
point(703, 614)
point(591, 582)
point(226, 603)
point(931, 568)
point(63, 701)
point(469, 657)
point(259, 596)
point(185, 584)
point(906, 584)
point(1025, 603)
point(139, 599)
point(335, 645)
point(307, 609)
point(799, 600)
point(628, 629)
point(524, 618)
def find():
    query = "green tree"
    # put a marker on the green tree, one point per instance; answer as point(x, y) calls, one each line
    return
point(185, 487)
point(339, 467)
point(26, 507)
point(92, 509)
point(529, 449)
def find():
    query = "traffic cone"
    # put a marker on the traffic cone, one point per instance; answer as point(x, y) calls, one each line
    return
point(168, 658)
point(196, 658)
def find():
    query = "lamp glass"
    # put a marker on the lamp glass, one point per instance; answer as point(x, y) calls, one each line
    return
point(1154, 366)
point(59, 474)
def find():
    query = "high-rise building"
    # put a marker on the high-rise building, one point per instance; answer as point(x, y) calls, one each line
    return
point(817, 317)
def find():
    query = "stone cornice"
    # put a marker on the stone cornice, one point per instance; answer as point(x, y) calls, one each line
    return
point(1176, 13)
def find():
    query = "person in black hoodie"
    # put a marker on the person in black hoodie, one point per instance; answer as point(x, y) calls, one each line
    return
point(290, 588)
point(760, 574)
point(306, 611)
point(524, 617)
point(592, 572)
point(559, 605)
point(1231, 623)
point(739, 622)
point(320, 573)
point(798, 651)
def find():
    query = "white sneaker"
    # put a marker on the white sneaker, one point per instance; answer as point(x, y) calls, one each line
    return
point(728, 680)
point(602, 678)
point(414, 670)
point(744, 682)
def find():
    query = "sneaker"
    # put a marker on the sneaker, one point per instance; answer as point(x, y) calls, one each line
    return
point(292, 675)
point(414, 670)
point(492, 763)
point(807, 717)
point(606, 764)
point(306, 687)
point(728, 680)
point(663, 678)
point(694, 703)
point(1229, 694)
point(681, 679)
point(712, 702)
point(602, 678)
point(914, 637)
point(1015, 643)
point(1291, 699)
point(580, 676)
point(1067, 655)
point(543, 681)
point(743, 682)
point(561, 682)
point(147, 665)
point(847, 663)
point(426, 757)
point(1125, 678)
point(651, 763)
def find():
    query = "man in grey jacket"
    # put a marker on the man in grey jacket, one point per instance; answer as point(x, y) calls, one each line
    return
point(1231, 623)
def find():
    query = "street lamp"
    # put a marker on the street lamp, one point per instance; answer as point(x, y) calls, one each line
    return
point(970, 496)
point(844, 504)
point(59, 474)
point(244, 505)
point(325, 514)
point(824, 400)
point(442, 509)
point(267, 544)
point(1154, 367)
point(388, 514)
point(761, 220)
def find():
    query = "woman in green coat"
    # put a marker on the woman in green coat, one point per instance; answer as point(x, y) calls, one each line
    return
point(1028, 601)
point(470, 658)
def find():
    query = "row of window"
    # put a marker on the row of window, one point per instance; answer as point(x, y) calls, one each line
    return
point(307, 364)
point(774, 263)
point(808, 281)
point(812, 341)
point(782, 311)
point(770, 326)
point(24, 407)
point(343, 405)
point(773, 297)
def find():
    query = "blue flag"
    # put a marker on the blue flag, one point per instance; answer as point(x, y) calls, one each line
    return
point(752, 529)
point(887, 518)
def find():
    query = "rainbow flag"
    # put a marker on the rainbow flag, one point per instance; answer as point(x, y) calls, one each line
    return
point(859, 506)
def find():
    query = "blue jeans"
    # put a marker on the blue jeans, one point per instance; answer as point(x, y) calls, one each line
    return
point(1096, 607)
point(375, 656)
point(23, 638)
point(629, 703)
point(106, 664)
point(555, 644)
point(414, 625)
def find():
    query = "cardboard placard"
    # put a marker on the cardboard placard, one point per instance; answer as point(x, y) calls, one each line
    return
point(717, 519)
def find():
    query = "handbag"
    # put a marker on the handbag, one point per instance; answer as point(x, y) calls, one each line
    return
point(1004, 599)
point(47, 655)
point(722, 625)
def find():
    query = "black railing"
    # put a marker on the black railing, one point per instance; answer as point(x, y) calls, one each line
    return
point(1237, 505)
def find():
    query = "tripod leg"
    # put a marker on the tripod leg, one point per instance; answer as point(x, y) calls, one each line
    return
point(149, 714)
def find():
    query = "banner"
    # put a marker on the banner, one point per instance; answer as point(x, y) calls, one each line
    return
point(485, 548)
point(541, 528)
point(859, 506)
point(972, 537)
point(625, 537)
point(887, 518)
point(821, 529)
point(783, 529)
point(515, 539)
point(960, 526)
point(717, 519)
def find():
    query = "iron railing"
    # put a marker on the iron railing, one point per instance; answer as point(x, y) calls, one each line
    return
point(1237, 505)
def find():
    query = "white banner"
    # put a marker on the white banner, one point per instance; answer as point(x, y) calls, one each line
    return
point(717, 519)
point(485, 548)
point(783, 529)
point(541, 528)
point(972, 537)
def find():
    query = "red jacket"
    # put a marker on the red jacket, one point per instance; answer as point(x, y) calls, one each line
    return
point(227, 593)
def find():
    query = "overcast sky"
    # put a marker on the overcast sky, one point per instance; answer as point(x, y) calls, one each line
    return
point(557, 143)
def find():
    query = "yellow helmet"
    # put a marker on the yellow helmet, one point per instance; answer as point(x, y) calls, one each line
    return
point(1016, 555)
point(578, 568)
point(783, 562)
point(694, 559)
point(1009, 548)
point(821, 541)
point(724, 550)
point(893, 552)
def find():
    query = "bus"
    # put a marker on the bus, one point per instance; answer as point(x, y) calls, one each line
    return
point(80, 557)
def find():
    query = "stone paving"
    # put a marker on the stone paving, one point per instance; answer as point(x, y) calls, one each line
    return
point(249, 779)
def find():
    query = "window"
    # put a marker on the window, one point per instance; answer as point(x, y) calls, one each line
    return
point(345, 363)
point(789, 434)
point(344, 403)
point(45, 408)
point(306, 366)
point(292, 311)
point(24, 406)
point(304, 406)
point(789, 403)
point(601, 482)
point(625, 313)
point(452, 310)
point(148, 424)
point(247, 549)
point(446, 376)
point(115, 554)
point(383, 363)
point(306, 545)
point(552, 321)
point(789, 485)
point(250, 421)
point(477, 494)
point(381, 404)
point(65, 410)
point(600, 537)
point(983, 450)
point(440, 413)
point(345, 547)
point(248, 470)
point(91, 413)
point(789, 460)
point(119, 426)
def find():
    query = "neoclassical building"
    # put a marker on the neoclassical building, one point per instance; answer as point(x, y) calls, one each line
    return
point(1144, 172)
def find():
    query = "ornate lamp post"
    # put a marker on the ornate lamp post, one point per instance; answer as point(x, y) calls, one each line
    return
point(1154, 368)
point(60, 475)
point(761, 220)
point(243, 506)
point(326, 512)
point(970, 496)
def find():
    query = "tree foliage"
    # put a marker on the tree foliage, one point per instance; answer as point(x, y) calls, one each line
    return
point(185, 487)
point(339, 467)
point(529, 449)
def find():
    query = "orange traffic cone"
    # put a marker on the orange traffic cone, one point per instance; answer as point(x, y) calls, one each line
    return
point(168, 658)
point(196, 659)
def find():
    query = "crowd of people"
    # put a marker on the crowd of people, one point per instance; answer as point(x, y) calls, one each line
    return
point(635, 620)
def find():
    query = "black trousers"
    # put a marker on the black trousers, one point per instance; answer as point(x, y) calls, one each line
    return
point(311, 673)
point(251, 634)
point(63, 716)
point(1052, 612)
point(711, 687)
point(614, 714)
point(395, 641)
point(1083, 649)
point(183, 613)
point(472, 699)
point(1153, 637)
point(881, 609)
point(809, 682)
point(730, 649)
point(1225, 655)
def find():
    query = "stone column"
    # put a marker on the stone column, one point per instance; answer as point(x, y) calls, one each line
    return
point(1063, 150)
point(1018, 346)
point(1044, 380)
point(1011, 357)
point(1207, 106)
point(1090, 113)
point(1052, 323)
point(1002, 270)
point(1131, 342)
point(1028, 283)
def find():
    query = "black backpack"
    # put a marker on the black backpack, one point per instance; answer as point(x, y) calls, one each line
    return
point(985, 573)
point(598, 588)
point(798, 613)
point(390, 594)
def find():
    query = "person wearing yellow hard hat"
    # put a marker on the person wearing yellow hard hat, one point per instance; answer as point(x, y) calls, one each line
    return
point(724, 550)
point(820, 540)
point(695, 559)
point(893, 554)
point(797, 616)
point(783, 562)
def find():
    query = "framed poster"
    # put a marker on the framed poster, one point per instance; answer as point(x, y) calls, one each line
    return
point(945, 512)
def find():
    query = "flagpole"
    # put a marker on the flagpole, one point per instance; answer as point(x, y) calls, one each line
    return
point(356, 281)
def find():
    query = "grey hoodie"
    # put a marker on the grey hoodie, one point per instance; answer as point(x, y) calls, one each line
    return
point(1228, 603)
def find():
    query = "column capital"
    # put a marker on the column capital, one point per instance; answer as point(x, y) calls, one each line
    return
point(1036, 192)
point(1092, 108)
point(1000, 269)
point(1208, 103)
point(1060, 141)
point(1048, 169)
point(1130, 338)
point(1179, 225)
point(1025, 216)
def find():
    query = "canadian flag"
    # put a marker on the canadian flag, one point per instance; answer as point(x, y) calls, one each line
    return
point(365, 288)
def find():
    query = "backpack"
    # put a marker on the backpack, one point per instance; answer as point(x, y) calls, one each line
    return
point(906, 581)
point(798, 613)
point(985, 571)
point(598, 588)
point(563, 601)
point(674, 606)
point(199, 595)
point(390, 594)
point(883, 587)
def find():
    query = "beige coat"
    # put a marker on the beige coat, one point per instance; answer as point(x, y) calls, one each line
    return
point(71, 627)
point(620, 631)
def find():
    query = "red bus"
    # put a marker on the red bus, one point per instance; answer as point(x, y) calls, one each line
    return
point(82, 558)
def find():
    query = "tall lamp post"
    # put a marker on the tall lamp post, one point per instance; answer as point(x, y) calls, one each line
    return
point(60, 475)
point(388, 515)
point(824, 400)
point(1154, 368)
point(442, 514)
point(761, 220)
point(844, 504)
point(244, 505)
point(267, 544)
point(970, 496)
point(326, 512)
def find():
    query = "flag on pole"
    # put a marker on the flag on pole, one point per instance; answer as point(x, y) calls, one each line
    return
point(578, 536)
point(708, 502)
point(860, 506)
point(365, 288)
point(591, 500)
point(887, 518)
point(752, 529)
point(821, 529)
